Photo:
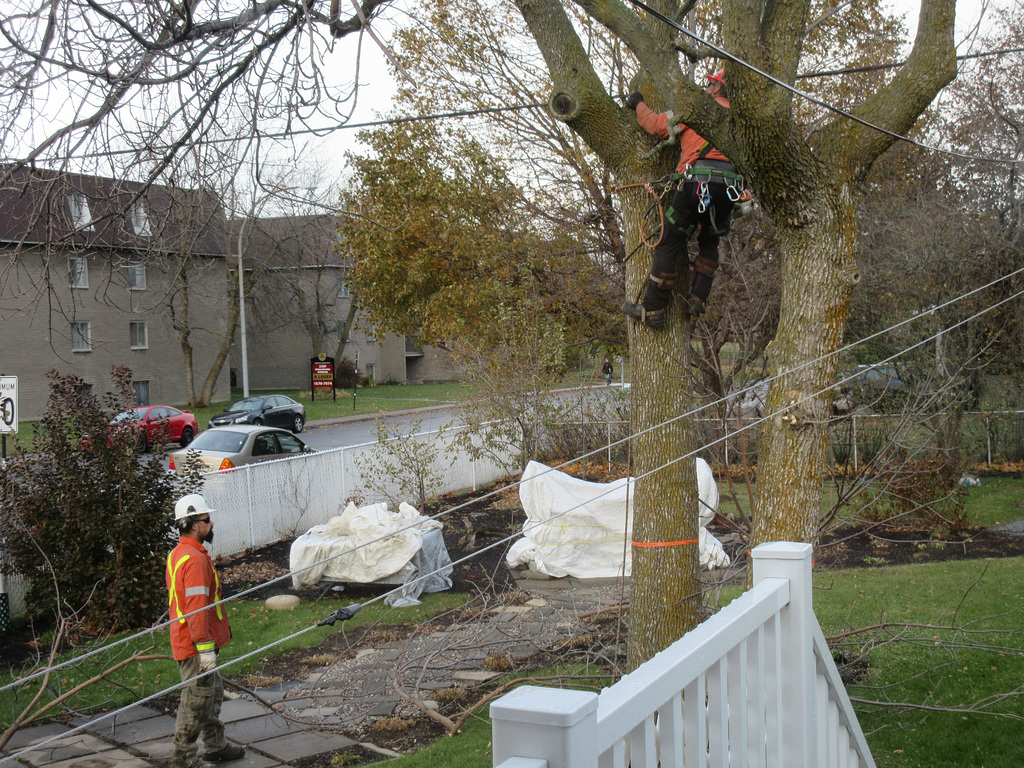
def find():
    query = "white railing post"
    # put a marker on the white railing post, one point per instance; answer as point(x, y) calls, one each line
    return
point(799, 716)
point(556, 725)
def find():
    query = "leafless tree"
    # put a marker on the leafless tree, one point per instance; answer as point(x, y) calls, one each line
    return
point(129, 86)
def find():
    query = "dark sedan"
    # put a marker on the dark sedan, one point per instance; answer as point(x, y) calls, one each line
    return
point(264, 410)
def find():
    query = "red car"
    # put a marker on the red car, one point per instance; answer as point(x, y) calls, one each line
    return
point(158, 424)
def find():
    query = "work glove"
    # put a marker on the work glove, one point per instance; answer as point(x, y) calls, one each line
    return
point(633, 99)
point(207, 661)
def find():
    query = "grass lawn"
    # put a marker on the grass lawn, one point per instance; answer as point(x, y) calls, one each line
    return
point(253, 626)
point(966, 651)
point(997, 500)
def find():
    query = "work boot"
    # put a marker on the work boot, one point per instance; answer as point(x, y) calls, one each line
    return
point(195, 762)
point(651, 318)
point(696, 306)
point(229, 752)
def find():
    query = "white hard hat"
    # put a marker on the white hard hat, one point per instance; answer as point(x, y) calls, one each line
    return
point(193, 504)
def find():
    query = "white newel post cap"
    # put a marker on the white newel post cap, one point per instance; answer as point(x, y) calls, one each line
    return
point(555, 724)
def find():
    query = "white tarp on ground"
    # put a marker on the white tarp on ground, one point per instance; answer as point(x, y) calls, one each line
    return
point(373, 544)
point(576, 528)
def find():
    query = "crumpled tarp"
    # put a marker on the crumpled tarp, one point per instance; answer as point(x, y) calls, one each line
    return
point(577, 528)
point(373, 544)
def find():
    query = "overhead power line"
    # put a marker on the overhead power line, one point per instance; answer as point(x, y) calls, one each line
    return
point(813, 99)
point(689, 414)
point(667, 463)
point(327, 130)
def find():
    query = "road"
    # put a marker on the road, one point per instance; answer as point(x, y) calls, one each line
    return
point(357, 430)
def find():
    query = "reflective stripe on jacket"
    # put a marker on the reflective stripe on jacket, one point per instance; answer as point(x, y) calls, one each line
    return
point(690, 142)
point(192, 584)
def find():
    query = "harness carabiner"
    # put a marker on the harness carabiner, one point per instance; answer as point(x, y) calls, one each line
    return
point(732, 193)
point(703, 196)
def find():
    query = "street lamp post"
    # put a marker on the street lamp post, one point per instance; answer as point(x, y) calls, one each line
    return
point(241, 315)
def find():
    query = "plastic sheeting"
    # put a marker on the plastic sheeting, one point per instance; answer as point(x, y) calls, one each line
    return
point(372, 544)
point(581, 529)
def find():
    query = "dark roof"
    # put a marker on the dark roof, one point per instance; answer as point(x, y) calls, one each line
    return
point(289, 241)
point(35, 210)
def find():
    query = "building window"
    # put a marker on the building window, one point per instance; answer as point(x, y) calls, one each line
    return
point(81, 337)
point(137, 277)
point(140, 221)
point(371, 371)
point(78, 272)
point(78, 206)
point(83, 393)
point(139, 337)
point(343, 292)
point(141, 392)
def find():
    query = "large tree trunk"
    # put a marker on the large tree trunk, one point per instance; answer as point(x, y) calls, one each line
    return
point(805, 183)
point(819, 272)
point(665, 600)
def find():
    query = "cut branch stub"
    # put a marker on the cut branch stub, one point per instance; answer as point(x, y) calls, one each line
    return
point(564, 105)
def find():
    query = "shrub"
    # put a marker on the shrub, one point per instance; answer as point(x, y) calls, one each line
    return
point(85, 518)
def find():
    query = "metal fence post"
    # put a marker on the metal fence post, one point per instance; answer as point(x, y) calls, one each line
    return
point(609, 425)
point(725, 428)
point(343, 454)
point(799, 716)
point(988, 438)
point(248, 494)
point(556, 725)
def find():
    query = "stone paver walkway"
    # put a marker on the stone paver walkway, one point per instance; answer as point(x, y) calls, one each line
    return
point(349, 695)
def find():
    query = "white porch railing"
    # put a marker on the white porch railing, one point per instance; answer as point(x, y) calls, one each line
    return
point(754, 685)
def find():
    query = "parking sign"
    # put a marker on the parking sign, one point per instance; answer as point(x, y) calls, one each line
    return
point(8, 404)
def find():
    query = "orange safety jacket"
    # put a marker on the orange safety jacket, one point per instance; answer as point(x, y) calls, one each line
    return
point(690, 142)
point(192, 584)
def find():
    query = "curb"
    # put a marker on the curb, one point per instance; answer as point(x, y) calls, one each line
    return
point(370, 416)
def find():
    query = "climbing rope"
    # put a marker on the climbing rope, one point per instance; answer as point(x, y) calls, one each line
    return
point(666, 184)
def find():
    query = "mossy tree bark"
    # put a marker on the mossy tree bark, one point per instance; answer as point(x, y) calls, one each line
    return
point(807, 183)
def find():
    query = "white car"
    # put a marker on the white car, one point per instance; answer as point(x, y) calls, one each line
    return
point(237, 445)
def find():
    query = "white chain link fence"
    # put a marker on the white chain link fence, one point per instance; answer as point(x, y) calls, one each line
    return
point(262, 503)
point(259, 504)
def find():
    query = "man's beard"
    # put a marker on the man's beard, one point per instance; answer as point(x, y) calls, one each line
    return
point(208, 538)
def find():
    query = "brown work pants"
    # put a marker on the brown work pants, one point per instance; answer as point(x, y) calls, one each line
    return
point(198, 714)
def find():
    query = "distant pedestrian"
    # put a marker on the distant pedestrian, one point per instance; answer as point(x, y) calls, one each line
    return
point(193, 585)
point(607, 370)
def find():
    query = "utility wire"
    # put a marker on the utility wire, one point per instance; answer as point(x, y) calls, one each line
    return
point(327, 130)
point(693, 412)
point(527, 528)
point(814, 99)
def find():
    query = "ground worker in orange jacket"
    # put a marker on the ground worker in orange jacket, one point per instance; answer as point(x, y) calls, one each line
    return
point(192, 585)
point(708, 189)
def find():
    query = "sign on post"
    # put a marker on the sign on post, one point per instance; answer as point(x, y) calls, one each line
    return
point(322, 375)
point(8, 404)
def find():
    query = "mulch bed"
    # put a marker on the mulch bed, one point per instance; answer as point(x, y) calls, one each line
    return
point(864, 547)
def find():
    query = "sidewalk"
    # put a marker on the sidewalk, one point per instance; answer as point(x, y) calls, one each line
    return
point(378, 682)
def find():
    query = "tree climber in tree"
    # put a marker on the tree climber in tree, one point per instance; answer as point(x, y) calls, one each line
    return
point(708, 188)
